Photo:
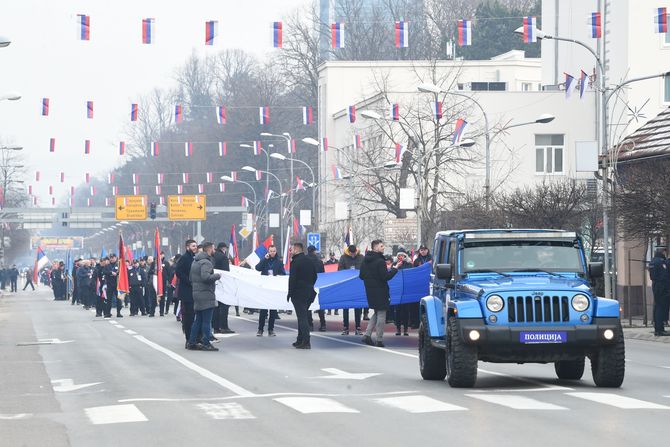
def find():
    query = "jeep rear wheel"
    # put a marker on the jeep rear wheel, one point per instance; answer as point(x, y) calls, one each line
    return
point(432, 362)
point(570, 369)
point(608, 364)
point(461, 358)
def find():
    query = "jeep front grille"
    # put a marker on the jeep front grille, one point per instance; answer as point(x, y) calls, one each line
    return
point(538, 309)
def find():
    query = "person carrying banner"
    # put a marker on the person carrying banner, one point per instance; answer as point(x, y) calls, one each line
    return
point(270, 265)
point(302, 278)
point(351, 260)
point(203, 283)
point(318, 264)
point(221, 262)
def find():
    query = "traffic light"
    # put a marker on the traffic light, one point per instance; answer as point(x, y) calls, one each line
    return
point(152, 210)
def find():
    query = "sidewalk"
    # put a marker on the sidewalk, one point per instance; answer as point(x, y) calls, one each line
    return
point(638, 331)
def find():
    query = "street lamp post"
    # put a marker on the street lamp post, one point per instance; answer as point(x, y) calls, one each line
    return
point(267, 183)
point(279, 156)
point(227, 178)
point(281, 228)
point(287, 137)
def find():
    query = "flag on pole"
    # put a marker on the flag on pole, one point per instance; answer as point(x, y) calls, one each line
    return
point(458, 130)
point(337, 34)
point(133, 112)
point(437, 110)
point(178, 115)
point(84, 26)
point(529, 28)
point(401, 34)
point(136, 179)
point(259, 175)
point(201, 188)
point(293, 146)
point(180, 189)
point(148, 31)
point(122, 148)
point(464, 33)
point(259, 252)
point(307, 115)
point(287, 248)
point(122, 278)
point(92, 189)
point(223, 149)
point(72, 191)
point(210, 177)
point(232, 247)
point(158, 190)
point(257, 148)
point(395, 112)
point(220, 114)
point(358, 143)
point(596, 25)
point(184, 177)
point(399, 152)
point(37, 176)
point(264, 115)
point(337, 173)
point(159, 264)
point(51, 190)
point(136, 190)
point(110, 178)
point(222, 187)
point(352, 114)
point(268, 195)
point(41, 260)
point(244, 202)
point(160, 178)
point(188, 149)
point(45, 106)
point(349, 237)
point(324, 144)
point(233, 175)
point(569, 79)
point(211, 30)
point(30, 190)
point(62, 177)
point(661, 20)
point(52, 145)
point(155, 148)
point(89, 109)
point(87, 146)
point(300, 185)
point(277, 34)
point(115, 191)
point(582, 83)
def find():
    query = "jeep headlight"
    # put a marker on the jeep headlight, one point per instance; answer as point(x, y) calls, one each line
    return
point(580, 302)
point(495, 303)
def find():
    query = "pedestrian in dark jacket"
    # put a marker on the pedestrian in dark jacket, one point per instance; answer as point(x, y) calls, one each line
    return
point(203, 282)
point(375, 277)
point(270, 265)
point(185, 292)
point(351, 260)
point(402, 310)
point(111, 273)
point(660, 284)
point(302, 278)
point(14, 278)
point(136, 282)
point(422, 258)
point(221, 262)
point(312, 255)
point(84, 276)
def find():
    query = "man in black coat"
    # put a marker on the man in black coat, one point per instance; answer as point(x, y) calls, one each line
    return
point(376, 276)
point(136, 283)
point(312, 255)
point(270, 265)
point(221, 262)
point(184, 288)
point(111, 273)
point(14, 278)
point(660, 284)
point(302, 278)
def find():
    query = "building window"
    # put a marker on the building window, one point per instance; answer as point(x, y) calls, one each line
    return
point(488, 86)
point(526, 86)
point(666, 88)
point(549, 151)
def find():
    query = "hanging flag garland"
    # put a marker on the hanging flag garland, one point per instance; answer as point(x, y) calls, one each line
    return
point(148, 31)
point(458, 131)
point(133, 112)
point(337, 35)
point(464, 33)
point(596, 25)
point(401, 34)
point(45, 106)
point(352, 114)
point(89, 109)
point(277, 34)
point(84, 23)
point(529, 28)
point(307, 115)
point(661, 20)
point(211, 30)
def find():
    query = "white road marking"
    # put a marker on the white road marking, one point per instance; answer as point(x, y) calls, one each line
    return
point(217, 335)
point(200, 399)
point(66, 385)
point(339, 374)
point(120, 326)
point(310, 405)
point(419, 404)
point(13, 417)
point(130, 331)
point(230, 410)
point(197, 368)
point(112, 322)
point(115, 414)
point(516, 402)
point(626, 403)
point(544, 386)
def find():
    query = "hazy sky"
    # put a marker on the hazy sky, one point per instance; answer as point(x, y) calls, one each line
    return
point(46, 59)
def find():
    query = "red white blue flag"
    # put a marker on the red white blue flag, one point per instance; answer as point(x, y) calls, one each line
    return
point(244, 202)
point(115, 190)
point(257, 148)
point(222, 187)
point(155, 149)
point(395, 112)
point(352, 114)
point(307, 115)
point(596, 25)
point(158, 190)
point(52, 145)
point(399, 152)
point(178, 115)
point(72, 190)
point(293, 146)
point(201, 188)
point(220, 114)
point(62, 177)
point(136, 179)
point(184, 177)
point(122, 148)
point(45, 106)
point(51, 190)
point(259, 175)
point(110, 178)
point(458, 131)
point(299, 184)
point(211, 31)
point(210, 177)
point(89, 109)
point(87, 177)
point(569, 79)
point(108, 202)
point(324, 144)
point(277, 34)
point(89, 202)
point(337, 173)
point(84, 23)
point(337, 35)
point(180, 189)
point(133, 112)
point(223, 149)
point(148, 31)
point(268, 195)
point(37, 176)
point(136, 190)
point(264, 115)
point(188, 149)
point(582, 83)
point(464, 33)
point(160, 178)
point(92, 188)
point(358, 143)
point(233, 175)
point(437, 110)
point(401, 34)
point(661, 20)
point(529, 28)
point(232, 247)
point(87, 146)
point(30, 189)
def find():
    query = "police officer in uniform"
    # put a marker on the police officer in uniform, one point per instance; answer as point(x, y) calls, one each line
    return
point(136, 281)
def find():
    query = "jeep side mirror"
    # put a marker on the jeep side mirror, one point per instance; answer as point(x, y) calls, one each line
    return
point(596, 269)
point(443, 271)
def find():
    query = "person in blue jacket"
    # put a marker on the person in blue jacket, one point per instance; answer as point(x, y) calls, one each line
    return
point(270, 265)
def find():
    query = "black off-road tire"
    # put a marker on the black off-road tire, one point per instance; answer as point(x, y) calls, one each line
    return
point(461, 358)
point(570, 369)
point(432, 360)
point(608, 365)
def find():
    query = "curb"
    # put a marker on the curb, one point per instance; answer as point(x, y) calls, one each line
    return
point(644, 334)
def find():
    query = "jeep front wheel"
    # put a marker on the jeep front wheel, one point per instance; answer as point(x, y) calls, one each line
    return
point(570, 369)
point(608, 364)
point(432, 363)
point(461, 358)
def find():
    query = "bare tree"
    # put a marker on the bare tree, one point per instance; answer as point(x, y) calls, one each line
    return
point(153, 119)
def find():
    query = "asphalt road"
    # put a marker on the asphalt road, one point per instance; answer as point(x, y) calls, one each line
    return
point(130, 382)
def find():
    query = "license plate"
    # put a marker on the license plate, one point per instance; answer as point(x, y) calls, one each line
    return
point(543, 337)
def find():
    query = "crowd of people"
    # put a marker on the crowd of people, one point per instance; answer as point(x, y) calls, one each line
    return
point(188, 282)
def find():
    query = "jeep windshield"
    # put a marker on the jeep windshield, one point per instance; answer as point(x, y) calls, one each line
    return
point(521, 256)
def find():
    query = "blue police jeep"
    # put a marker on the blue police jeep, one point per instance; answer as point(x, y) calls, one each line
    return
point(517, 296)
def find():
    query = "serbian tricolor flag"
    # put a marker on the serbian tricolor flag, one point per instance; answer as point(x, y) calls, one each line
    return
point(211, 30)
point(277, 34)
point(529, 27)
point(159, 265)
point(395, 112)
point(155, 148)
point(233, 175)
point(209, 177)
point(30, 190)
point(35, 201)
point(184, 177)
point(158, 190)
point(259, 175)
point(188, 149)
point(268, 195)
point(399, 151)
point(122, 279)
point(45, 106)
point(464, 33)
point(41, 261)
point(596, 25)
point(458, 131)
point(89, 109)
point(53, 201)
point(661, 20)
point(84, 31)
point(222, 187)
point(358, 143)
point(352, 114)
point(110, 178)
point(136, 190)
point(51, 190)
point(180, 189)
point(259, 253)
point(324, 144)
point(122, 148)
point(178, 115)
point(337, 173)
point(115, 190)
point(133, 112)
point(148, 31)
point(300, 185)
point(257, 148)
point(92, 189)
point(89, 202)
point(87, 177)
point(201, 188)
point(287, 247)
point(582, 83)
point(37, 176)
point(223, 149)
point(244, 202)
point(401, 34)
point(337, 35)
point(62, 177)
point(233, 254)
point(160, 178)
point(87, 146)
point(307, 115)
point(136, 179)
point(72, 191)
point(569, 79)
point(264, 115)
point(293, 146)
point(52, 145)
point(220, 114)
point(437, 110)
point(161, 200)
